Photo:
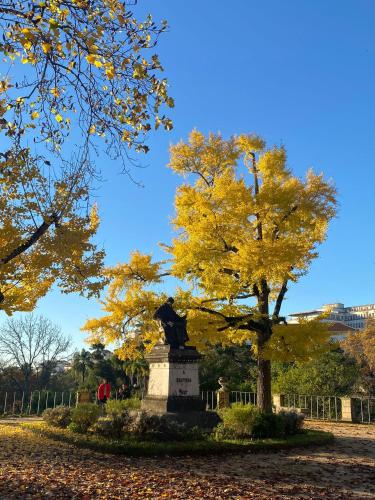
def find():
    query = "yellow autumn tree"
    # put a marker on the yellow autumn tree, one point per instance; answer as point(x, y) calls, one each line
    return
point(85, 63)
point(246, 227)
point(45, 234)
point(70, 69)
point(361, 345)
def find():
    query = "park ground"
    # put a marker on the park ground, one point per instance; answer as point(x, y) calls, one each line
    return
point(38, 468)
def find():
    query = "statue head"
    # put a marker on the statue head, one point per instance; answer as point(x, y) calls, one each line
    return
point(170, 300)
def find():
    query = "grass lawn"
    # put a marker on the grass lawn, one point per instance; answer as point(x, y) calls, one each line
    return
point(134, 447)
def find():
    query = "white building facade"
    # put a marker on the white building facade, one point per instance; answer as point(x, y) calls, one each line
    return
point(354, 316)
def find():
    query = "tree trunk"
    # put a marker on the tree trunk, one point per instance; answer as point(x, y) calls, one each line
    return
point(264, 396)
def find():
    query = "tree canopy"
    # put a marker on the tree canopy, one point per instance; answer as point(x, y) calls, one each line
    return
point(89, 63)
point(245, 228)
point(83, 70)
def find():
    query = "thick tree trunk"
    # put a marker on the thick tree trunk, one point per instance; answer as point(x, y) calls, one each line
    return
point(264, 396)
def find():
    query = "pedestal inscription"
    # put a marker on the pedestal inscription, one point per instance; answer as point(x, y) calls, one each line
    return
point(174, 380)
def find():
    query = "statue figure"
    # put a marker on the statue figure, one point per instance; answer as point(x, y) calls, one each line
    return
point(174, 326)
point(223, 384)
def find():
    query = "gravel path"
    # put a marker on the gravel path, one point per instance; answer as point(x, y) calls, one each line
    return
point(37, 468)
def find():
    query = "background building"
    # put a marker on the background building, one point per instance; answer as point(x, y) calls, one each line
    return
point(353, 317)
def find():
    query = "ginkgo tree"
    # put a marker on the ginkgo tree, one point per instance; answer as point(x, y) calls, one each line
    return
point(88, 63)
point(46, 232)
point(76, 77)
point(245, 227)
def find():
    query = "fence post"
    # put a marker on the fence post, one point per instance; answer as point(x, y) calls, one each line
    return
point(276, 399)
point(347, 409)
point(5, 403)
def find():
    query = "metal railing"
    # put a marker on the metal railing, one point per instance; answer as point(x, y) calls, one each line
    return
point(35, 402)
point(363, 409)
point(313, 406)
point(210, 398)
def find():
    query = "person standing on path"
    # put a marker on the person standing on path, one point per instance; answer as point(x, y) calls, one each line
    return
point(104, 392)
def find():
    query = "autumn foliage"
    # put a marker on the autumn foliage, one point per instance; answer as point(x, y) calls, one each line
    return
point(245, 227)
point(70, 69)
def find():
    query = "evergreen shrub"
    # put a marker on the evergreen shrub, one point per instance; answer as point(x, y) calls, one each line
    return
point(84, 416)
point(248, 421)
point(267, 425)
point(293, 422)
point(58, 417)
point(238, 420)
point(158, 428)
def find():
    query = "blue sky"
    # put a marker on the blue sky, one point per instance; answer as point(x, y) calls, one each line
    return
point(300, 73)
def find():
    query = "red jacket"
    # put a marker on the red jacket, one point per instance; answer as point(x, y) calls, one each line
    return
point(104, 391)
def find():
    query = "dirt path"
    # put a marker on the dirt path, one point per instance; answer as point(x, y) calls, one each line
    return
point(37, 468)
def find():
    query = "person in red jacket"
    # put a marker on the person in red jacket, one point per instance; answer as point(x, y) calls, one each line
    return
point(104, 391)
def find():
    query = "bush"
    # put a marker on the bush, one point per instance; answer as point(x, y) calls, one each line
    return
point(58, 417)
point(247, 421)
point(239, 419)
point(107, 427)
point(115, 408)
point(222, 433)
point(116, 421)
point(74, 427)
point(84, 416)
point(293, 422)
point(267, 425)
point(132, 403)
point(154, 427)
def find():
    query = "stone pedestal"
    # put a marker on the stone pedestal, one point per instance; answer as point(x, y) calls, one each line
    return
point(173, 388)
point(347, 410)
point(222, 399)
point(84, 397)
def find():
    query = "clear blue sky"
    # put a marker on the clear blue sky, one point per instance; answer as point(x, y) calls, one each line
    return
point(301, 73)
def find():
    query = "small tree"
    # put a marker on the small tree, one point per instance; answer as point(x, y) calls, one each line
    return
point(245, 228)
point(82, 363)
point(31, 343)
point(361, 345)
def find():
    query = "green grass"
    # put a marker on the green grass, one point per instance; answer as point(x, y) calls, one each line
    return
point(134, 447)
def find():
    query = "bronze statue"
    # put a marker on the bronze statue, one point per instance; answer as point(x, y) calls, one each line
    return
point(174, 326)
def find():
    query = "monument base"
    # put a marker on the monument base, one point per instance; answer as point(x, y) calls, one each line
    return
point(161, 404)
point(173, 390)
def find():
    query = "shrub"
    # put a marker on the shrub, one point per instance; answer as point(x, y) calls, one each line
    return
point(115, 408)
point(221, 432)
point(132, 403)
point(117, 420)
point(84, 416)
point(74, 427)
point(107, 427)
point(293, 422)
point(58, 417)
point(239, 419)
point(267, 425)
point(154, 427)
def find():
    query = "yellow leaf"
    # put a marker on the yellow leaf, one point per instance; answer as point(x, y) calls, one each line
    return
point(46, 47)
point(91, 58)
point(58, 118)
